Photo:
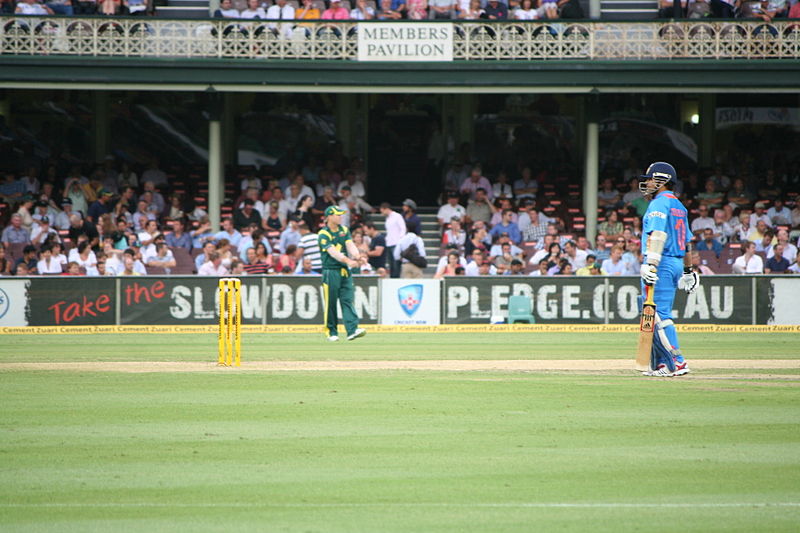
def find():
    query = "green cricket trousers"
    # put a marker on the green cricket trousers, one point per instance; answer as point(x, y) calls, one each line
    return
point(337, 287)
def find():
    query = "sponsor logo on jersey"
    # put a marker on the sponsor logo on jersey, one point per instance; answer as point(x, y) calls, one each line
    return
point(657, 214)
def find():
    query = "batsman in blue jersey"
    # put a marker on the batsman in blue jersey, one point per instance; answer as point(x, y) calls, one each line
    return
point(667, 264)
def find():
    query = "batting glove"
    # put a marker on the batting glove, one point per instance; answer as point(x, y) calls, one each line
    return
point(649, 275)
point(689, 281)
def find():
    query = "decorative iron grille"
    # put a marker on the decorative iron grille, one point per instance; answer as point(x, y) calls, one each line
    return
point(473, 40)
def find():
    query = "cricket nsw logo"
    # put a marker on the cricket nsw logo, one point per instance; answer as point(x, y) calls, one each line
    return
point(410, 298)
point(5, 303)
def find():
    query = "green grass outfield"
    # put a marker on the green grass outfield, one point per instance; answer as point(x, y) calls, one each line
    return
point(406, 451)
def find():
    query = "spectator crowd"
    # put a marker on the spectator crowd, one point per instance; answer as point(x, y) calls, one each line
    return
point(116, 221)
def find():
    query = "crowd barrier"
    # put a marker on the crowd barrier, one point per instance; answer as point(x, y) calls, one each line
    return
point(297, 300)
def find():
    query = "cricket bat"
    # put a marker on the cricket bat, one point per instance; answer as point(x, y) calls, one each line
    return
point(647, 326)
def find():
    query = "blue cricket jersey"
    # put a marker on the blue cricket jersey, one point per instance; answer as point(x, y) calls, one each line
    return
point(666, 213)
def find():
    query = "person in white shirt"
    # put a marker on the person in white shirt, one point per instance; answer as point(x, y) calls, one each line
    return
point(162, 258)
point(502, 189)
point(362, 11)
point(351, 180)
point(748, 262)
point(281, 11)
point(451, 209)
point(789, 249)
point(408, 269)
point(702, 221)
point(32, 7)
point(47, 263)
point(526, 11)
point(395, 230)
point(576, 257)
point(227, 11)
point(42, 231)
point(253, 11)
point(213, 267)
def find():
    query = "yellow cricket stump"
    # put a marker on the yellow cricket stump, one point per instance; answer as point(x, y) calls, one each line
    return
point(230, 320)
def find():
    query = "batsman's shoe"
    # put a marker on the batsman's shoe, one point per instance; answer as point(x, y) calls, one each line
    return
point(661, 372)
point(359, 332)
point(681, 369)
point(333, 338)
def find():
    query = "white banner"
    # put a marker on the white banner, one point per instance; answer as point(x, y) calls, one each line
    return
point(415, 41)
point(414, 302)
point(776, 116)
point(13, 301)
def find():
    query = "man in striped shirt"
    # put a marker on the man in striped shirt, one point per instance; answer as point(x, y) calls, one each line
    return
point(310, 247)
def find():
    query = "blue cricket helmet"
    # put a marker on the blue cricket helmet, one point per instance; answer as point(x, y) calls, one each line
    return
point(662, 173)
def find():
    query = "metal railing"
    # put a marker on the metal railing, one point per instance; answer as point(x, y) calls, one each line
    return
point(472, 41)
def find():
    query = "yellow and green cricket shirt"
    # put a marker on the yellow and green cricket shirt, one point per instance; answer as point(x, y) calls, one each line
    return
point(337, 238)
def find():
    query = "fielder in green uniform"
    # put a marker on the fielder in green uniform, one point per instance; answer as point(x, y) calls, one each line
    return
point(335, 244)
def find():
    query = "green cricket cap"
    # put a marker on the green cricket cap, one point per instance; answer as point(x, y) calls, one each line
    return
point(333, 210)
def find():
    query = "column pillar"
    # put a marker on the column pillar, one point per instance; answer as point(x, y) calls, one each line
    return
point(591, 165)
point(216, 175)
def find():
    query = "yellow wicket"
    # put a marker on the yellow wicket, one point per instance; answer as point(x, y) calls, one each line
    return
point(230, 320)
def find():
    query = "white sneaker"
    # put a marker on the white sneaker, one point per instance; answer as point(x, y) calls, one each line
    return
point(661, 372)
point(333, 338)
point(359, 332)
point(681, 369)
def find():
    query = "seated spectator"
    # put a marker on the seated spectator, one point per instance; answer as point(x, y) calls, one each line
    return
point(451, 209)
point(739, 196)
point(634, 200)
point(698, 267)
point(32, 7)
point(501, 188)
point(564, 268)
point(162, 257)
point(477, 238)
point(505, 255)
point(742, 228)
point(355, 208)
point(416, 9)
point(281, 11)
point(247, 216)
point(591, 268)
point(253, 11)
point(47, 264)
point(362, 11)
point(479, 208)
point(749, 262)
point(254, 265)
point(249, 241)
point(473, 11)
point(709, 243)
point(779, 214)
point(611, 228)
point(501, 204)
point(576, 257)
point(14, 233)
point(306, 268)
point(178, 238)
point(542, 269)
point(287, 261)
point(507, 226)
point(789, 249)
point(201, 258)
point(28, 262)
point(476, 259)
point(226, 10)
point(760, 214)
point(85, 257)
point(449, 268)
point(307, 12)
point(608, 197)
point(614, 265)
point(526, 186)
point(410, 215)
point(633, 255)
point(233, 236)
point(710, 196)
point(722, 230)
point(794, 13)
point(455, 235)
point(73, 269)
point(777, 264)
point(516, 268)
point(5, 262)
point(42, 232)
point(476, 181)
point(767, 242)
point(388, 11)
point(526, 11)
point(666, 9)
point(553, 256)
point(495, 10)
point(702, 221)
point(336, 12)
point(758, 233)
point(83, 228)
point(213, 266)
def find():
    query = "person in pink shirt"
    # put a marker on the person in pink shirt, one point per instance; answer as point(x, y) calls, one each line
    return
point(336, 12)
point(476, 181)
